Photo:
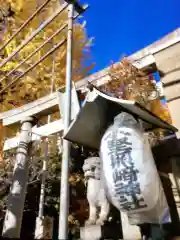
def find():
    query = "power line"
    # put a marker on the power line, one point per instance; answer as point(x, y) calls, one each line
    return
point(34, 65)
point(24, 24)
point(34, 33)
point(34, 52)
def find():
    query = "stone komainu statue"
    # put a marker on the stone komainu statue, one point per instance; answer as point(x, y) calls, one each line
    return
point(95, 191)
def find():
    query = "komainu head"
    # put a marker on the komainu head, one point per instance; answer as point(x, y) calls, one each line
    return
point(92, 168)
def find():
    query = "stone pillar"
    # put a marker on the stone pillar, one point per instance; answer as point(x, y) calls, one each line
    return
point(168, 64)
point(16, 199)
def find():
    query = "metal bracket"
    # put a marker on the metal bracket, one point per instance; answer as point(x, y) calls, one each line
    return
point(78, 8)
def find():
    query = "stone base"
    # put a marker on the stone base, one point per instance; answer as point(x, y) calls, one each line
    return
point(96, 232)
point(130, 232)
point(44, 228)
point(90, 232)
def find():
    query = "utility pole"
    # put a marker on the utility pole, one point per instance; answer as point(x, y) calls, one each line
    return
point(64, 188)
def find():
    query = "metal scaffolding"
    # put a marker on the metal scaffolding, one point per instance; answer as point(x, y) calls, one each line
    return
point(72, 6)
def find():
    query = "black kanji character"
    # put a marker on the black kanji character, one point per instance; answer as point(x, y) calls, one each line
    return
point(125, 133)
point(128, 175)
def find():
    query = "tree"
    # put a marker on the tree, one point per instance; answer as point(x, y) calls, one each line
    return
point(128, 82)
point(38, 82)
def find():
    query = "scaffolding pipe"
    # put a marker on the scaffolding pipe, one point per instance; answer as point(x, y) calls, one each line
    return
point(34, 65)
point(24, 24)
point(34, 33)
point(64, 188)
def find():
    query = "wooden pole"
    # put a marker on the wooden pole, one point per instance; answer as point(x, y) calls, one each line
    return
point(15, 206)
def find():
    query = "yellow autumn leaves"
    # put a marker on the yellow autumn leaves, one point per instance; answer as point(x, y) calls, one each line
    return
point(133, 84)
point(38, 81)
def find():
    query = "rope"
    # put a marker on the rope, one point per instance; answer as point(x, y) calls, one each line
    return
point(37, 134)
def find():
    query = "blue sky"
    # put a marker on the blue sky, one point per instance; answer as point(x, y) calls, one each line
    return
point(125, 26)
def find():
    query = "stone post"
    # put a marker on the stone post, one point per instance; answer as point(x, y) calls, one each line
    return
point(16, 199)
